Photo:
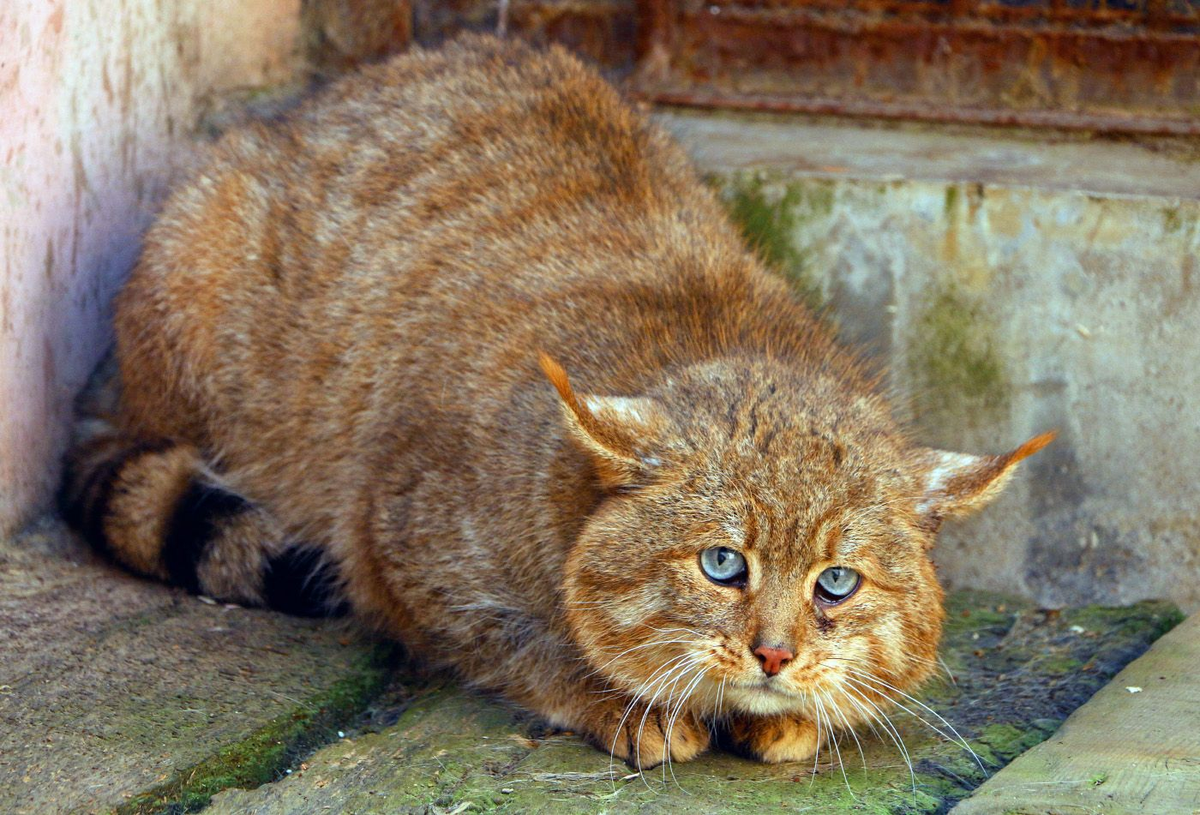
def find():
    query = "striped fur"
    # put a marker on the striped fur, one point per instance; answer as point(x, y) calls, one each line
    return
point(152, 506)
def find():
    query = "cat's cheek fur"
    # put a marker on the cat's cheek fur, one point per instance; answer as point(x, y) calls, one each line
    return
point(610, 619)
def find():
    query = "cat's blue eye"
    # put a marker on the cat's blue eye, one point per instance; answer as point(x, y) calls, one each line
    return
point(724, 565)
point(836, 583)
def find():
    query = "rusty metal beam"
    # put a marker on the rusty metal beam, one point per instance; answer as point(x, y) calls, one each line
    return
point(979, 61)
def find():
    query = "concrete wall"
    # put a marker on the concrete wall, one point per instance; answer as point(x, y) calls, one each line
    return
point(99, 100)
point(1011, 287)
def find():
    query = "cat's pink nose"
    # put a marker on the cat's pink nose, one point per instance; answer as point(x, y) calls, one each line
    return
point(772, 659)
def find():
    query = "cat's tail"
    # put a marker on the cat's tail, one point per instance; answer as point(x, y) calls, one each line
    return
point(153, 506)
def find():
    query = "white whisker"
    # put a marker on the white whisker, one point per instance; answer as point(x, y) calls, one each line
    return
point(677, 674)
point(633, 700)
point(638, 647)
point(836, 749)
point(672, 718)
point(846, 725)
point(817, 754)
point(889, 728)
point(957, 736)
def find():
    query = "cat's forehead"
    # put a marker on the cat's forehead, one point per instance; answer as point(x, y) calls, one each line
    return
point(796, 458)
point(788, 448)
point(758, 503)
point(785, 417)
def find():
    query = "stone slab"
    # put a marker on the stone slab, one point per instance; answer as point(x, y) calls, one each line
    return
point(824, 148)
point(119, 693)
point(1017, 672)
point(1133, 748)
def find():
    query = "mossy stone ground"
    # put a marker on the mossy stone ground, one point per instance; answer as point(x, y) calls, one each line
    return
point(1017, 673)
point(120, 694)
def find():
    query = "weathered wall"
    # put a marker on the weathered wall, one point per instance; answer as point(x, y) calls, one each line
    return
point(1005, 309)
point(99, 101)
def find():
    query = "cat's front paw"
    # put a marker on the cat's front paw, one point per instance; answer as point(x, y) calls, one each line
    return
point(646, 738)
point(774, 740)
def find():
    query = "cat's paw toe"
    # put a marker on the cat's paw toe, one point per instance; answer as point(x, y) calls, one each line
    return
point(776, 741)
point(650, 738)
point(797, 745)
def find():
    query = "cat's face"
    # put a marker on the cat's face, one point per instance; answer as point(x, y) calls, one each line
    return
point(767, 552)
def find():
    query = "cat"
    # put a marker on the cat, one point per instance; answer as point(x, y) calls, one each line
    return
point(463, 345)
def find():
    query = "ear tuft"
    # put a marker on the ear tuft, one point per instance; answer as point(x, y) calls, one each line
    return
point(1032, 446)
point(958, 483)
point(618, 432)
point(558, 378)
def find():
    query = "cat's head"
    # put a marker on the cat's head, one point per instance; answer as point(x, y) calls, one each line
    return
point(764, 543)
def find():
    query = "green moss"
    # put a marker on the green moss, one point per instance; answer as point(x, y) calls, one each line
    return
point(265, 754)
point(1058, 664)
point(954, 356)
point(985, 607)
point(771, 216)
point(1004, 742)
point(1149, 618)
point(951, 200)
point(766, 225)
point(1172, 221)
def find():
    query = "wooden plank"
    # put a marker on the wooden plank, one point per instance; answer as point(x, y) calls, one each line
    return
point(1134, 747)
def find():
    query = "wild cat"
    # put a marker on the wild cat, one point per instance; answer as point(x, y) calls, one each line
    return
point(463, 345)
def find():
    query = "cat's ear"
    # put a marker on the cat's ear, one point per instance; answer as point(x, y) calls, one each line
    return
point(958, 483)
point(620, 433)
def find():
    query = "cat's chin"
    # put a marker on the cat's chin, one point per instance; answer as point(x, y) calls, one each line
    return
point(763, 700)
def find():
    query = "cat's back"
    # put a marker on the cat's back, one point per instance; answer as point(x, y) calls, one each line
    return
point(429, 216)
point(424, 174)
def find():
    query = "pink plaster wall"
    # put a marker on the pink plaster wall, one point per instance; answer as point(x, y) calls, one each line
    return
point(98, 102)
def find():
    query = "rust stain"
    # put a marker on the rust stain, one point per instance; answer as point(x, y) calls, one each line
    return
point(49, 369)
point(1175, 300)
point(10, 77)
point(6, 307)
point(601, 31)
point(976, 193)
point(126, 86)
point(55, 22)
point(78, 169)
point(75, 247)
point(64, 159)
point(106, 82)
point(1034, 64)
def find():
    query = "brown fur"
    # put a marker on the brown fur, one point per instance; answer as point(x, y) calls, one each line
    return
point(342, 313)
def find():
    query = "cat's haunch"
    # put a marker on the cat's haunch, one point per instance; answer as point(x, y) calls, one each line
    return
point(463, 345)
